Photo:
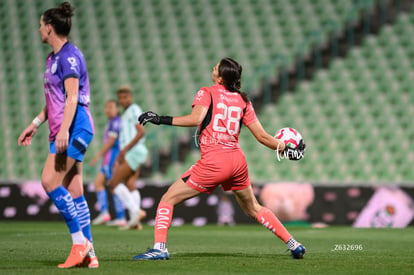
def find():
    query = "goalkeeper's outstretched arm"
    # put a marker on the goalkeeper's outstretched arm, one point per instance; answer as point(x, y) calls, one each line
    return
point(194, 119)
point(264, 138)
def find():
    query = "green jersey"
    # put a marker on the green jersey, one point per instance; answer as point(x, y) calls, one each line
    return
point(129, 120)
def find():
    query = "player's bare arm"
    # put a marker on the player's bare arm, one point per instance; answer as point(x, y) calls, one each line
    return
point(72, 93)
point(26, 136)
point(193, 119)
point(140, 133)
point(264, 138)
point(42, 116)
point(105, 148)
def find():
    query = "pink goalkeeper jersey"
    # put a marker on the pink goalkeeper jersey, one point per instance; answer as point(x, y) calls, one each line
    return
point(221, 126)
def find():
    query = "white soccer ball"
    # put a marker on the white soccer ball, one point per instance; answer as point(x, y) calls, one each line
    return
point(289, 136)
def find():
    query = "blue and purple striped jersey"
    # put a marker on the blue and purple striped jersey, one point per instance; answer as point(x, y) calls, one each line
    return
point(112, 129)
point(68, 62)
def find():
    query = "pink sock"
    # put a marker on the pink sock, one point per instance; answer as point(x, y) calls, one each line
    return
point(162, 222)
point(271, 222)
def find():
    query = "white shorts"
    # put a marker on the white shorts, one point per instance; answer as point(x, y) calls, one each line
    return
point(136, 156)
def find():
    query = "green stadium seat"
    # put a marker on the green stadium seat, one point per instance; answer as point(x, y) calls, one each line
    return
point(165, 51)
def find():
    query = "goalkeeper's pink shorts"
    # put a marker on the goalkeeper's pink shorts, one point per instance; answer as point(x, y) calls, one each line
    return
point(227, 168)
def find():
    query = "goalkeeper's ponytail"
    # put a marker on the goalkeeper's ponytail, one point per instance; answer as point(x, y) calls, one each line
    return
point(230, 71)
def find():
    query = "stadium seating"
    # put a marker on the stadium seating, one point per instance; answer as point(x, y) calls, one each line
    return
point(355, 116)
point(166, 49)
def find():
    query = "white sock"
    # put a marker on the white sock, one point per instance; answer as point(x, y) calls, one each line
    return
point(291, 243)
point(137, 198)
point(160, 246)
point(78, 237)
point(126, 197)
point(92, 252)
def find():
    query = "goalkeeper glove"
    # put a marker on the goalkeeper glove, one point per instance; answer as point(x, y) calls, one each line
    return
point(154, 119)
point(296, 153)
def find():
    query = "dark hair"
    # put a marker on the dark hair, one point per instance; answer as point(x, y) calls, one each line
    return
point(114, 102)
point(230, 71)
point(60, 18)
point(124, 89)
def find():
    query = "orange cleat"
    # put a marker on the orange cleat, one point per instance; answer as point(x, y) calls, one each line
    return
point(77, 254)
point(93, 262)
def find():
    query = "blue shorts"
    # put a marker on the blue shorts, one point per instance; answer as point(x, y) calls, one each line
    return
point(106, 169)
point(79, 141)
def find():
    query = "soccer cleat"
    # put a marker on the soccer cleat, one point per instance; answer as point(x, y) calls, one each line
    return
point(152, 254)
point(117, 222)
point(135, 221)
point(77, 254)
point(93, 262)
point(90, 262)
point(102, 218)
point(298, 251)
point(131, 227)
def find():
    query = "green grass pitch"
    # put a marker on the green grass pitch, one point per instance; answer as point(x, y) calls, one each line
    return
point(37, 248)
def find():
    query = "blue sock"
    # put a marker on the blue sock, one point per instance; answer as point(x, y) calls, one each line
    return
point(84, 216)
point(119, 207)
point(102, 200)
point(65, 204)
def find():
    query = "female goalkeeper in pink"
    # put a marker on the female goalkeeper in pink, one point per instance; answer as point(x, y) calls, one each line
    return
point(219, 111)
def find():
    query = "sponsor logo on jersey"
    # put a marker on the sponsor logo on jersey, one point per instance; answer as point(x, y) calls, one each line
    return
point(54, 67)
point(200, 94)
point(73, 63)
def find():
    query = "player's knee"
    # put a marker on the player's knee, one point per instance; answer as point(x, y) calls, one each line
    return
point(75, 190)
point(172, 200)
point(48, 182)
point(112, 186)
point(252, 213)
point(131, 187)
point(99, 185)
point(166, 198)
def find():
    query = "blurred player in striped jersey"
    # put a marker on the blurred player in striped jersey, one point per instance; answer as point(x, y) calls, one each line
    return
point(108, 153)
point(219, 111)
point(132, 154)
point(66, 85)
